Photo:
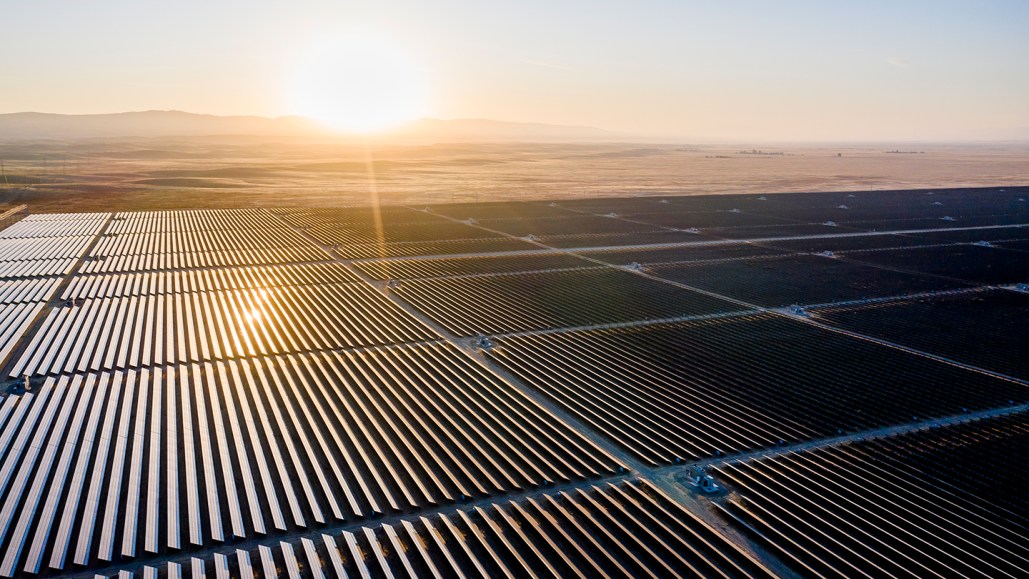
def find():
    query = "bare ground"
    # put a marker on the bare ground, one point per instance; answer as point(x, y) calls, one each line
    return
point(181, 173)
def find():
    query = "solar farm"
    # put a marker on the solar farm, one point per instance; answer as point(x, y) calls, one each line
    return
point(782, 385)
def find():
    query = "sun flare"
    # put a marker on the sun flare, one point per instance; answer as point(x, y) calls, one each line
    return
point(357, 84)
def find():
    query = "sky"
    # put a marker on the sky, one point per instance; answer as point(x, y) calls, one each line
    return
point(774, 70)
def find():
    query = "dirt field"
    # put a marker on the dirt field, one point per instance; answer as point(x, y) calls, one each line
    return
point(182, 173)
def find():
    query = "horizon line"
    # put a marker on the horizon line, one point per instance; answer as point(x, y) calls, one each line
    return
point(617, 136)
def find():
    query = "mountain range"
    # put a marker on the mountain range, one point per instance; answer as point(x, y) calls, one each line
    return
point(32, 125)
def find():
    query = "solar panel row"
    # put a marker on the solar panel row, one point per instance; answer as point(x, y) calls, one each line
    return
point(27, 290)
point(33, 227)
point(168, 282)
point(443, 247)
point(37, 268)
point(14, 322)
point(233, 258)
point(214, 325)
point(421, 268)
point(195, 241)
point(25, 249)
point(152, 222)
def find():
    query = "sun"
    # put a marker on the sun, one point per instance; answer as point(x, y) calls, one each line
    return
point(357, 83)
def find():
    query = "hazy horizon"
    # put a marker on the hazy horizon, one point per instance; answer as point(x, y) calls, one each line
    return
point(750, 71)
point(423, 129)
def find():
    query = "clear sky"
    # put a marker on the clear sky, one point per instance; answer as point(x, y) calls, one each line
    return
point(776, 69)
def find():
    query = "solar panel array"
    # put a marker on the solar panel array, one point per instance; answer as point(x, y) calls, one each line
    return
point(990, 323)
point(445, 267)
point(614, 530)
point(356, 233)
point(20, 291)
point(800, 279)
point(35, 253)
point(540, 300)
point(149, 241)
point(689, 390)
point(946, 502)
point(210, 452)
point(57, 225)
point(518, 389)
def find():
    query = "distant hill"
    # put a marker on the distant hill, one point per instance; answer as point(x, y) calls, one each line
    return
point(30, 125)
point(143, 124)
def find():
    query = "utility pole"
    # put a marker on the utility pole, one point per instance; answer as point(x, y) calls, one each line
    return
point(3, 173)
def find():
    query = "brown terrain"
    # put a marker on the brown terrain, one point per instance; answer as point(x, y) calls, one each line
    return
point(213, 172)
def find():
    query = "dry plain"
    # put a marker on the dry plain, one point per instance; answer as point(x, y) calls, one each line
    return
point(224, 172)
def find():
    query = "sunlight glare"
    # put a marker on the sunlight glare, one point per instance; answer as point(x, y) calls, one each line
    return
point(357, 83)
